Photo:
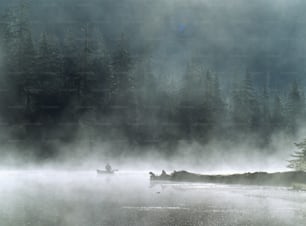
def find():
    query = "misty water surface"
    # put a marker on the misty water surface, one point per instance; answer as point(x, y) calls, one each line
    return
point(79, 198)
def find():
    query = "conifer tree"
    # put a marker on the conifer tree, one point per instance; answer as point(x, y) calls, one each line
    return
point(122, 80)
point(295, 107)
point(49, 66)
point(298, 161)
point(245, 105)
point(277, 114)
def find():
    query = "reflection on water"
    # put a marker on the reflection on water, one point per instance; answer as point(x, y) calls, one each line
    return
point(82, 198)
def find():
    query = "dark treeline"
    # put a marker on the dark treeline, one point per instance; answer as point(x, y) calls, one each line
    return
point(55, 86)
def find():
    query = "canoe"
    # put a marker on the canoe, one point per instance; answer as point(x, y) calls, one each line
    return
point(105, 171)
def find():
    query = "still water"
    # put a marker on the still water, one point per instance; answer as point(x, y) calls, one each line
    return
point(83, 198)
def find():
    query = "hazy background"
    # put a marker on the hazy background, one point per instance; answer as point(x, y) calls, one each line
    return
point(168, 77)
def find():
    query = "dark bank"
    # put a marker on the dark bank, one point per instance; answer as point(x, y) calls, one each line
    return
point(257, 178)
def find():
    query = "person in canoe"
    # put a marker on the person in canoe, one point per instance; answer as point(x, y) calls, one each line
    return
point(108, 168)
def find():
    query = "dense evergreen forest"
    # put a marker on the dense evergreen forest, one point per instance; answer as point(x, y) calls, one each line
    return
point(56, 86)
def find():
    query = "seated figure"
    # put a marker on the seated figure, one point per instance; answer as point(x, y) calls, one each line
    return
point(108, 167)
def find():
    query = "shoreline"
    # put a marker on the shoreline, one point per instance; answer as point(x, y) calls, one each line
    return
point(288, 178)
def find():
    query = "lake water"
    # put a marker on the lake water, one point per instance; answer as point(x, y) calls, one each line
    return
point(83, 198)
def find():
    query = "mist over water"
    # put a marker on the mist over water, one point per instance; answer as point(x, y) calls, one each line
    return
point(64, 198)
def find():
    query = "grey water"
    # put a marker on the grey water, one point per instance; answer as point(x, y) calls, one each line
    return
point(83, 198)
